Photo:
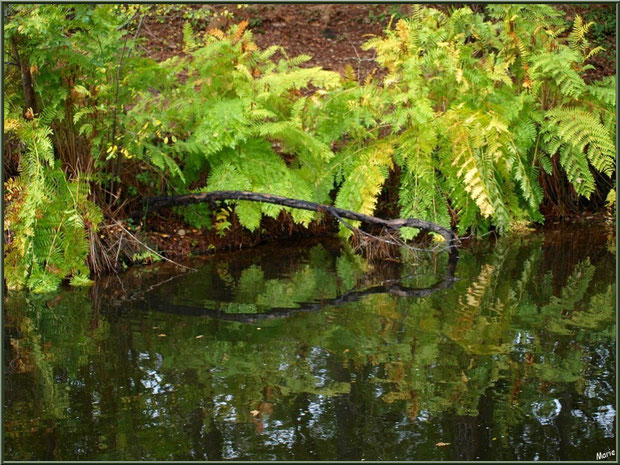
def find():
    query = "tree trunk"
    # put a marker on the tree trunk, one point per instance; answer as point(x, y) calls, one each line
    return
point(27, 85)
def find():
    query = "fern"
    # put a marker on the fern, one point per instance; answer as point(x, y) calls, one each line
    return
point(504, 98)
point(604, 92)
point(583, 131)
point(574, 291)
point(472, 112)
point(49, 220)
point(420, 193)
point(225, 118)
point(558, 68)
point(364, 178)
point(577, 37)
point(580, 138)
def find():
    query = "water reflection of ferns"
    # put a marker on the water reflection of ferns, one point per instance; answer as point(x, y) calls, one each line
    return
point(406, 359)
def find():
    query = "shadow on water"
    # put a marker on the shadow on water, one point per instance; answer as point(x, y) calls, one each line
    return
point(508, 354)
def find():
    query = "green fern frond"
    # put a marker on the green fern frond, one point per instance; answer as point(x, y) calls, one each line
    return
point(188, 37)
point(558, 66)
point(420, 196)
point(50, 222)
point(47, 115)
point(604, 91)
point(226, 176)
point(249, 214)
point(577, 170)
point(582, 131)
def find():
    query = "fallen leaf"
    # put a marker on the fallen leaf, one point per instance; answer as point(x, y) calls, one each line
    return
point(254, 412)
point(442, 444)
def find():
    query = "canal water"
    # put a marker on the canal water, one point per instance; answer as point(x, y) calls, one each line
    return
point(305, 351)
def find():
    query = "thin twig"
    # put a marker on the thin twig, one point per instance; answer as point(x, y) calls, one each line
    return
point(121, 283)
point(151, 250)
point(359, 59)
point(150, 288)
point(115, 117)
point(118, 251)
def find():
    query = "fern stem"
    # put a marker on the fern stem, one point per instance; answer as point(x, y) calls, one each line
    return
point(49, 253)
point(536, 149)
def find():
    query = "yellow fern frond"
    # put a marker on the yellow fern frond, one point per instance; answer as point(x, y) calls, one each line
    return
point(216, 33)
point(577, 37)
point(403, 32)
point(249, 47)
point(469, 307)
point(11, 124)
point(365, 180)
point(594, 51)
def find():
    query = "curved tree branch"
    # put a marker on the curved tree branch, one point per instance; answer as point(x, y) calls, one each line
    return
point(154, 203)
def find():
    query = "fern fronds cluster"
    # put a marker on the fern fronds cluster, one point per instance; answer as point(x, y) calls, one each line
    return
point(498, 100)
point(474, 116)
point(471, 114)
point(48, 218)
point(240, 117)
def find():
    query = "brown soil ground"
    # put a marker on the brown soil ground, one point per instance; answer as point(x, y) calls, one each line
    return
point(332, 34)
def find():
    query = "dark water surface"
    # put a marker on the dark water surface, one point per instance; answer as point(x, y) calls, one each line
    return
point(307, 352)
